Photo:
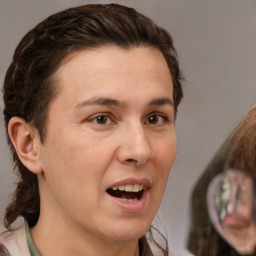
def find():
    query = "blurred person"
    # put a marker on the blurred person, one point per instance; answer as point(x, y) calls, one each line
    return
point(223, 200)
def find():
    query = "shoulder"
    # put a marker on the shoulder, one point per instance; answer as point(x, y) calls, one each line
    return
point(15, 242)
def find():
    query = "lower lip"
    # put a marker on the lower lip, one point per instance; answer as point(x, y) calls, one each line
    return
point(232, 221)
point(131, 206)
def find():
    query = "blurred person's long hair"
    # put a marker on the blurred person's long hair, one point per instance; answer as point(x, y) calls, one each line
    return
point(237, 152)
point(3, 250)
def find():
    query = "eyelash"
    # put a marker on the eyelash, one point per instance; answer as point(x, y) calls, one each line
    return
point(104, 115)
point(165, 118)
point(108, 118)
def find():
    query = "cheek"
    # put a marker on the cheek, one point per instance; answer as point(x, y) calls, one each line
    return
point(165, 153)
point(164, 158)
point(73, 171)
point(79, 159)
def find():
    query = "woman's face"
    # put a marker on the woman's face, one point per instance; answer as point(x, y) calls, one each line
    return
point(110, 143)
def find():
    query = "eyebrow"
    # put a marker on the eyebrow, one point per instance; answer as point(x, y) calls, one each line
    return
point(161, 101)
point(99, 101)
point(117, 103)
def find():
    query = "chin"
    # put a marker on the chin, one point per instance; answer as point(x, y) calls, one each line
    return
point(128, 233)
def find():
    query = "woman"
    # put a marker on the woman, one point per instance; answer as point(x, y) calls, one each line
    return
point(223, 207)
point(90, 102)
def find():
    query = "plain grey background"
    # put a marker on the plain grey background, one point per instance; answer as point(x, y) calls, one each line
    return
point(216, 42)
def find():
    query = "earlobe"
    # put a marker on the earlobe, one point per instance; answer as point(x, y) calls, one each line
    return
point(26, 141)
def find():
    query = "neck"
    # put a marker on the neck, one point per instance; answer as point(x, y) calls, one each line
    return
point(56, 239)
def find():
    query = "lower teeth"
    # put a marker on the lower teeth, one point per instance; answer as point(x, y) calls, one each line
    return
point(128, 200)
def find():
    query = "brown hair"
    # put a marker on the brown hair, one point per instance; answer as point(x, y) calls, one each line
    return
point(29, 86)
point(237, 152)
point(3, 250)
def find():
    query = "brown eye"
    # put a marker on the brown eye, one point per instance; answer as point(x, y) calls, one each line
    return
point(157, 119)
point(101, 119)
point(153, 119)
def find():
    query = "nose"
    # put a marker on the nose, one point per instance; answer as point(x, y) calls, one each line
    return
point(134, 147)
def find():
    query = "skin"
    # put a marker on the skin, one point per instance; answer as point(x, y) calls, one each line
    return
point(237, 227)
point(112, 120)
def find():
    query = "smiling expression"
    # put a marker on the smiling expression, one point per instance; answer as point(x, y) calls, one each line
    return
point(110, 142)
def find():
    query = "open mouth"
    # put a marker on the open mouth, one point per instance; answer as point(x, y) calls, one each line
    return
point(128, 193)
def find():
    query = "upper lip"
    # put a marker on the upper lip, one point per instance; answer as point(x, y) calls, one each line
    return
point(132, 181)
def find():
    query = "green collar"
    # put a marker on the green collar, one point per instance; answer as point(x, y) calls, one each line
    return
point(31, 246)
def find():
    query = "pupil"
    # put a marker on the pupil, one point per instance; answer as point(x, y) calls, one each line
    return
point(153, 119)
point(102, 119)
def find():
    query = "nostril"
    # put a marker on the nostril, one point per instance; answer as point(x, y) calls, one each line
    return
point(132, 161)
point(135, 162)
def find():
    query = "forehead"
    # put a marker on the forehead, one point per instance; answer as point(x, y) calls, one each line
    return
point(111, 66)
point(106, 57)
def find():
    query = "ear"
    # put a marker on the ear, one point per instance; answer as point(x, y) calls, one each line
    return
point(26, 141)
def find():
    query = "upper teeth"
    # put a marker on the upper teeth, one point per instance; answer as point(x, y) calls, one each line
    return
point(129, 188)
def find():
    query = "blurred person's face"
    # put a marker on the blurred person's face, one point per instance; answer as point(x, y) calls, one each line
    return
point(230, 205)
point(110, 143)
